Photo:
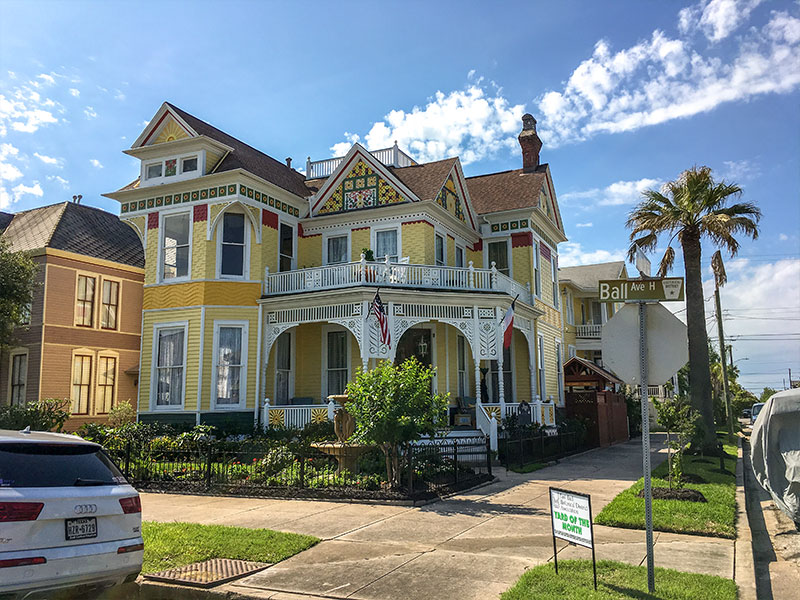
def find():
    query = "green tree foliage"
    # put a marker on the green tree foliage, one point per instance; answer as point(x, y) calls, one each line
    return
point(766, 394)
point(43, 415)
point(121, 413)
point(17, 272)
point(680, 421)
point(393, 407)
point(693, 208)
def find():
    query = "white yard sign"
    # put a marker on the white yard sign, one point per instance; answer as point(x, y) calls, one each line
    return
point(572, 517)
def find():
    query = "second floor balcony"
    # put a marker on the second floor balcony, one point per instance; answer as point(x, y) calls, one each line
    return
point(394, 275)
point(589, 330)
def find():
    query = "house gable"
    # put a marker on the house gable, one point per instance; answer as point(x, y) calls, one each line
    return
point(549, 204)
point(165, 126)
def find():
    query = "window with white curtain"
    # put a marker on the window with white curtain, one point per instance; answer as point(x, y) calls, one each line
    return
point(233, 245)
point(283, 368)
point(461, 353)
point(110, 304)
point(229, 363)
point(81, 383)
point(386, 245)
point(337, 362)
point(337, 249)
point(106, 384)
point(175, 246)
point(19, 378)
point(542, 387)
point(85, 302)
point(170, 365)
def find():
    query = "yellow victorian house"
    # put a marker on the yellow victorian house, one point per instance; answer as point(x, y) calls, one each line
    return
point(259, 279)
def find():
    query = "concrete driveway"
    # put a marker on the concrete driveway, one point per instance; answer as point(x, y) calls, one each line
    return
point(470, 546)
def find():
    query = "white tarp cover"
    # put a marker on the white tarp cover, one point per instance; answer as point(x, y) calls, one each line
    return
point(775, 450)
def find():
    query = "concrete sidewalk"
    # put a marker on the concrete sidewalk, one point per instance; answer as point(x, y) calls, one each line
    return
point(471, 546)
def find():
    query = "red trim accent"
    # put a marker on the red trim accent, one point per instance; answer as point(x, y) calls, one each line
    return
point(553, 200)
point(477, 246)
point(300, 230)
point(360, 228)
point(417, 221)
point(200, 212)
point(464, 198)
point(544, 250)
point(154, 129)
point(269, 218)
point(450, 237)
point(152, 220)
point(520, 240)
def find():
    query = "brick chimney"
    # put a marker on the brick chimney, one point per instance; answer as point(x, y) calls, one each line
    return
point(530, 142)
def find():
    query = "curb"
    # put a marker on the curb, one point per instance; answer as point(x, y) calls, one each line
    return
point(743, 563)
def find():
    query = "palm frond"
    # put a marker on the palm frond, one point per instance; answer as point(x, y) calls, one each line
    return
point(646, 242)
point(667, 261)
point(720, 276)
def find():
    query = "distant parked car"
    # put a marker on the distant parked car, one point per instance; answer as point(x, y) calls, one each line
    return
point(754, 412)
point(746, 412)
point(68, 519)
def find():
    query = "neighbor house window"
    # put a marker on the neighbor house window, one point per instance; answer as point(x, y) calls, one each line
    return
point(233, 245)
point(175, 248)
point(108, 310)
point(337, 362)
point(508, 383)
point(537, 271)
point(439, 251)
point(569, 307)
point(19, 378)
point(386, 245)
point(461, 357)
point(25, 317)
point(229, 363)
point(542, 388)
point(189, 164)
point(85, 303)
point(459, 256)
point(286, 248)
point(337, 249)
point(106, 384)
point(155, 170)
point(81, 383)
point(283, 368)
point(498, 254)
point(170, 364)
point(571, 351)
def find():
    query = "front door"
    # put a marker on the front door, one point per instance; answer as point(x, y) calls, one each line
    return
point(416, 343)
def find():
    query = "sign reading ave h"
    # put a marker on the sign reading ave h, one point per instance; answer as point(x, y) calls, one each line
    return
point(659, 289)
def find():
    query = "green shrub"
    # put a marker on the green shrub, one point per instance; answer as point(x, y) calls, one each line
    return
point(121, 414)
point(47, 414)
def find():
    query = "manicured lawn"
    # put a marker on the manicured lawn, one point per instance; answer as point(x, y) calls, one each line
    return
point(616, 580)
point(715, 517)
point(168, 545)
point(527, 467)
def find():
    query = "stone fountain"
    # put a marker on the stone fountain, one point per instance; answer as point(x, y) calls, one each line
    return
point(344, 425)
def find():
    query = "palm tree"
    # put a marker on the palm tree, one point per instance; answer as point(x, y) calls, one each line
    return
point(691, 208)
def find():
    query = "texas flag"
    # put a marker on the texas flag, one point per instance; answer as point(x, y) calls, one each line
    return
point(507, 324)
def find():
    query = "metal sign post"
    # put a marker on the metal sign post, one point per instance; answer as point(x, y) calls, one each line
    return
point(645, 399)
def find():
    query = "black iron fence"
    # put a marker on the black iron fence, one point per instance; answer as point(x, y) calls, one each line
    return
point(269, 468)
point(538, 447)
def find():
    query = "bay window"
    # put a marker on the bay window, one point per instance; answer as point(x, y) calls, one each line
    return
point(386, 245)
point(233, 245)
point(337, 248)
point(175, 246)
point(498, 254)
point(170, 366)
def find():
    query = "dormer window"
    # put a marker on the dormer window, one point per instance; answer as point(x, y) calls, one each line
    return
point(189, 164)
point(174, 168)
point(154, 170)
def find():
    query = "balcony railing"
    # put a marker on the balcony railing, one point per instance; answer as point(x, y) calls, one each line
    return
point(392, 157)
point(590, 330)
point(388, 274)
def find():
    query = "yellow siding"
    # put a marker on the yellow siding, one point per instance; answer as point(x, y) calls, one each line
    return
point(418, 240)
point(308, 359)
point(550, 365)
point(522, 373)
point(476, 257)
point(197, 293)
point(203, 253)
point(192, 315)
point(269, 248)
point(212, 158)
point(151, 257)
point(359, 239)
point(138, 224)
point(309, 251)
point(451, 251)
point(521, 264)
point(230, 314)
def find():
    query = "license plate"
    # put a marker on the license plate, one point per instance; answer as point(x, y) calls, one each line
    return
point(79, 529)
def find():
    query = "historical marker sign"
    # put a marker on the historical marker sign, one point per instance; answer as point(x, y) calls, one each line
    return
point(651, 290)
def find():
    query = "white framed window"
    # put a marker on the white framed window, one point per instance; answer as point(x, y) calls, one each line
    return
point(284, 374)
point(109, 306)
point(498, 254)
point(84, 304)
point(537, 271)
point(569, 307)
point(571, 351)
point(233, 242)
point(286, 242)
point(176, 229)
point(336, 249)
point(542, 386)
point(188, 164)
point(230, 363)
point(461, 358)
point(560, 372)
point(440, 252)
point(336, 361)
point(25, 318)
point(106, 384)
point(154, 170)
point(81, 383)
point(19, 377)
point(508, 377)
point(386, 243)
point(554, 271)
point(460, 262)
point(169, 365)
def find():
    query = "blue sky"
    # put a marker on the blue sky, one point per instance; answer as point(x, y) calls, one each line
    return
point(627, 94)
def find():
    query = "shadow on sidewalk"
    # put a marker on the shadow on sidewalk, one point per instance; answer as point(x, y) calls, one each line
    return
point(763, 552)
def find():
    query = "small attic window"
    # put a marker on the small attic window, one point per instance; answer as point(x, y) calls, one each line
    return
point(189, 164)
point(154, 170)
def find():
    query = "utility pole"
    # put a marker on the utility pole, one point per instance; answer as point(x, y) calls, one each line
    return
point(720, 279)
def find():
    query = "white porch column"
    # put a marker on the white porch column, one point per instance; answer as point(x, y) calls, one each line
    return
point(478, 380)
point(500, 382)
point(365, 364)
point(532, 369)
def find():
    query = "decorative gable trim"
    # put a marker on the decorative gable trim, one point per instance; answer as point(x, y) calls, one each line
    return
point(155, 124)
point(461, 182)
point(355, 154)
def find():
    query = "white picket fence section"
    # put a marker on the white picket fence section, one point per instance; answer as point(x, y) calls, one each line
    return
point(285, 415)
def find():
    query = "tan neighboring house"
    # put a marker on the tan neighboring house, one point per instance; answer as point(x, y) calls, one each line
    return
point(83, 335)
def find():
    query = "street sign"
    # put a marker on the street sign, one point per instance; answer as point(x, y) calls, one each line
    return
point(667, 344)
point(651, 290)
point(571, 518)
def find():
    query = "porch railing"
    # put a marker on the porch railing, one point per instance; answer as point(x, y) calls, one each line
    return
point(659, 391)
point(489, 417)
point(590, 330)
point(393, 157)
point(286, 415)
point(389, 274)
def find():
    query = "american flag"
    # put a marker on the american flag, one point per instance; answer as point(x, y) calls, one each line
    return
point(380, 312)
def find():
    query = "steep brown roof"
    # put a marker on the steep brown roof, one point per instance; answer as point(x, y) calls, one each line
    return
point(75, 228)
point(507, 190)
point(588, 276)
point(248, 158)
point(427, 179)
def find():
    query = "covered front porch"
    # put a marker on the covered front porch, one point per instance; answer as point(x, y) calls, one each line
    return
point(315, 347)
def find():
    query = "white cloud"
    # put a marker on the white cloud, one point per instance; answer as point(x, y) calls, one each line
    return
point(49, 160)
point(474, 124)
point(89, 112)
point(48, 79)
point(615, 194)
point(58, 179)
point(8, 172)
point(17, 192)
point(118, 95)
point(572, 254)
point(783, 237)
point(75, 92)
point(95, 163)
point(584, 224)
point(717, 19)
point(24, 109)
point(661, 78)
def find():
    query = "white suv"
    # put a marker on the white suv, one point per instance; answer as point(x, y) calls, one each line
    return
point(68, 519)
